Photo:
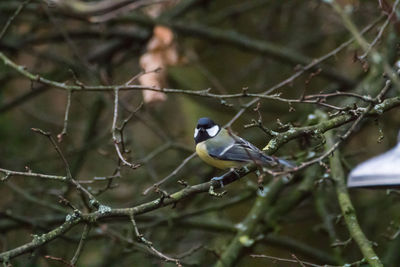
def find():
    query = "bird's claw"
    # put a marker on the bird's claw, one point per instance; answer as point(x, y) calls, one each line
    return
point(215, 194)
point(211, 190)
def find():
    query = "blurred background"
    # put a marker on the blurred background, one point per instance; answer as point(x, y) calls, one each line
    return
point(224, 46)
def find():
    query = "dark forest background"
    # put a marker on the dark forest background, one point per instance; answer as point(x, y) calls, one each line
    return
point(97, 164)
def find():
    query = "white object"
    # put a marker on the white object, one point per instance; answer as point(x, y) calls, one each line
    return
point(380, 171)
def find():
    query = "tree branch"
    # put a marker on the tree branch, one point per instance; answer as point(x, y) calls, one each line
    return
point(346, 206)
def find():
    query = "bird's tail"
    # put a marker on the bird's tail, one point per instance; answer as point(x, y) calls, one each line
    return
point(286, 163)
point(268, 160)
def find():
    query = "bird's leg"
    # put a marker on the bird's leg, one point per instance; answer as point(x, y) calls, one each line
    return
point(219, 179)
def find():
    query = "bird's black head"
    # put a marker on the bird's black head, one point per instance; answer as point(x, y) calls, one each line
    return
point(205, 129)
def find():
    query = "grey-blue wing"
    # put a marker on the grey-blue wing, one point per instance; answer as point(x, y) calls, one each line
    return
point(242, 151)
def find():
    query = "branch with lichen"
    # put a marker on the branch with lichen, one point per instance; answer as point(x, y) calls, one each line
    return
point(346, 206)
point(245, 235)
point(266, 212)
point(229, 177)
point(266, 215)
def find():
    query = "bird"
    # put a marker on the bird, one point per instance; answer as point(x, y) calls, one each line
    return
point(222, 149)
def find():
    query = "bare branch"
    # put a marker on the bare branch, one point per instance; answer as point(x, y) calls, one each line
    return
point(11, 19)
point(86, 230)
point(70, 179)
point(115, 138)
point(67, 108)
point(143, 240)
point(172, 174)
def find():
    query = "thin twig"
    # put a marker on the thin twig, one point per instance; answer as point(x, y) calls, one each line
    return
point(140, 74)
point(172, 174)
point(11, 19)
point(143, 240)
point(375, 57)
point(57, 148)
point(33, 199)
point(381, 30)
point(9, 174)
point(360, 117)
point(156, 152)
point(79, 249)
point(100, 179)
point(311, 65)
point(120, 11)
point(339, 93)
point(67, 108)
point(60, 260)
point(123, 125)
point(303, 262)
point(114, 135)
point(66, 202)
point(70, 179)
point(299, 261)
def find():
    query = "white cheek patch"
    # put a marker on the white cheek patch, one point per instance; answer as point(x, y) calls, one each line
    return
point(213, 131)
point(196, 132)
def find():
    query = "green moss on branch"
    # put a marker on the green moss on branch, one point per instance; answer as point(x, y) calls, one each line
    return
point(347, 208)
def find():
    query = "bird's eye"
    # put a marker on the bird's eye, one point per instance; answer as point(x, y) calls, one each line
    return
point(213, 131)
point(196, 131)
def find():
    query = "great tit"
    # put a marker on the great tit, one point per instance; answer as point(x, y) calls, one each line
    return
point(223, 149)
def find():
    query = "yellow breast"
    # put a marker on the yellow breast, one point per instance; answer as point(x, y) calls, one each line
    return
point(201, 150)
